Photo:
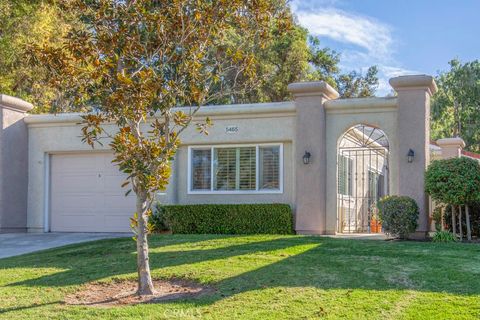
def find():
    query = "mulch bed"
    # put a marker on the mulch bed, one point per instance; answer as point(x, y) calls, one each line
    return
point(124, 292)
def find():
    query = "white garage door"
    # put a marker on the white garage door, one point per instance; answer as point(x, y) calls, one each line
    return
point(86, 195)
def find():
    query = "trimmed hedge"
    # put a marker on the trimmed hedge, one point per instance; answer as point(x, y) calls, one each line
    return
point(226, 218)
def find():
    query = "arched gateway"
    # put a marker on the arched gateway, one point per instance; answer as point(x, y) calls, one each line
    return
point(349, 165)
point(362, 178)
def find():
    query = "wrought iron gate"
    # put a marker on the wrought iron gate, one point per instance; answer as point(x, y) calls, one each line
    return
point(362, 178)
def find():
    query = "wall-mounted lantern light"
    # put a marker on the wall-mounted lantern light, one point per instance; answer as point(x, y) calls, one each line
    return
point(410, 155)
point(306, 157)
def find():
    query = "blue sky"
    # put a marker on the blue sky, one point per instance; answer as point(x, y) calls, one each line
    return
point(399, 36)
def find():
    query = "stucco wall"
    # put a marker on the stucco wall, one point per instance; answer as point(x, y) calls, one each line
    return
point(260, 123)
point(13, 170)
point(341, 116)
point(314, 122)
point(13, 164)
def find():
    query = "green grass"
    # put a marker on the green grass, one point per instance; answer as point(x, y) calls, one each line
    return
point(257, 277)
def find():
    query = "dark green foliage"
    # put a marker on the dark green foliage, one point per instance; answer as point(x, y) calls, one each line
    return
point(226, 218)
point(157, 219)
point(447, 219)
point(454, 181)
point(455, 105)
point(356, 85)
point(399, 215)
point(437, 216)
point(444, 236)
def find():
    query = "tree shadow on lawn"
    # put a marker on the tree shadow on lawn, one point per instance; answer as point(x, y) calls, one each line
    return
point(93, 261)
point(320, 263)
point(21, 308)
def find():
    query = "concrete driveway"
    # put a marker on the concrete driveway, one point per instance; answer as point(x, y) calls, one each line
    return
point(14, 244)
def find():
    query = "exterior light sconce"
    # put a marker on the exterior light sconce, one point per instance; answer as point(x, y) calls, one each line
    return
point(306, 157)
point(410, 155)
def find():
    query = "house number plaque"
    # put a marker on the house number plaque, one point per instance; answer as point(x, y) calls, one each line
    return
point(231, 129)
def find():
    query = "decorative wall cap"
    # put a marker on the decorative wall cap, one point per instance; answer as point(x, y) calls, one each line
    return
point(355, 104)
point(451, 142)
point(414, 81)
point(301, 89)
point(236, 110)
point(15, 104)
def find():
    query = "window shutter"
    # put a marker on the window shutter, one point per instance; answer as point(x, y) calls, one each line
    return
point(225, 168)
point(236, 168)
point(345, 170)
point(247, 168)
point(350, 176)
point(342, 175)
point(269, 168)
point(201, 169)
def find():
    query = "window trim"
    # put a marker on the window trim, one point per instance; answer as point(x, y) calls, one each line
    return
point(257, 171)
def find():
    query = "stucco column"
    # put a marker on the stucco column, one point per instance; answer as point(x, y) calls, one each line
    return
point(451, 147)
point(414, 93)
point(13, 164)
point(310, 136)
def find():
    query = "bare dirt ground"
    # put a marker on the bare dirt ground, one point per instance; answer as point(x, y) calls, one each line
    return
point(123, 292)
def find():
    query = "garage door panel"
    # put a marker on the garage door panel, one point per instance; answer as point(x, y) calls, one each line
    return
point(81, 221)
point(74, 201)
point(110, 168)
point(112, 183)
point(77, 183)
point(86, 194)
point(118, 222)
point(120, 202)
point(68, 163)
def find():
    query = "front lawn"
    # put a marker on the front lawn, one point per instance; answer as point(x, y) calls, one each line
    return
point(257, 277)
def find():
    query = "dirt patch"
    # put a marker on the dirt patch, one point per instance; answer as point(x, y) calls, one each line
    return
point(123, 292)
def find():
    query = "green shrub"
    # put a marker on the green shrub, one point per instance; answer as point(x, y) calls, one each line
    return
point(474, 218)
point(399, 215)
point(437, 216)
point(443, 236)
point(227, 218)
point(453, 181)
point(157, 219)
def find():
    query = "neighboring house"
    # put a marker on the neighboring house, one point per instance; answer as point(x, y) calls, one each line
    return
point(331, 159)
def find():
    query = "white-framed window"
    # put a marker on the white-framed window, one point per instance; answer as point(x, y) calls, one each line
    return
point(235, 169)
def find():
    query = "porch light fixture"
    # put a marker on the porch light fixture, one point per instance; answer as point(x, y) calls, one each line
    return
point(306, 157)
point(410, 155)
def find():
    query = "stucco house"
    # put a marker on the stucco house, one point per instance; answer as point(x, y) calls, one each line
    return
point(329, 158)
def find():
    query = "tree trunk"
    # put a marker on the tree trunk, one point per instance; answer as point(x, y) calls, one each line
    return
point(442, 219)
point(145, 284)
point(467, 218)
point(454, 222)
point(460, 222)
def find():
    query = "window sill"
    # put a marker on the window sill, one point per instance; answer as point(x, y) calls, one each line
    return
point(235, 192)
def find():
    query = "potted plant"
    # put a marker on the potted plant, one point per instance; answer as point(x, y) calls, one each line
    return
point(375, 224)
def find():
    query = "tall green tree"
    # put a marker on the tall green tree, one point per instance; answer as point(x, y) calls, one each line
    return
point(25, 22)
point(295, 56)
point(456, 105)
point(290, 55)
point(455, 182)
point(133, 59)
point(356, 85)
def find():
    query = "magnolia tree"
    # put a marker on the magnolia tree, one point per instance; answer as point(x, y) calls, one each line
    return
point(132, 63)
point(455, 182)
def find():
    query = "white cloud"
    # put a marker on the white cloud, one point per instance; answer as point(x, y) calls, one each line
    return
point(387, 72)
point(372, 36)
point(391, 72)
point(362, 40)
